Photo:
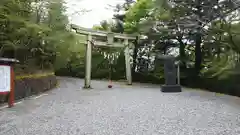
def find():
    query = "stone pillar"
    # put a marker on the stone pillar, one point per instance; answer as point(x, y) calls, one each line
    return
point(170, 74)
point(88, 63)
point(127, 63)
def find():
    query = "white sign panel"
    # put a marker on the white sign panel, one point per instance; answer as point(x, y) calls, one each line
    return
point(5, 80)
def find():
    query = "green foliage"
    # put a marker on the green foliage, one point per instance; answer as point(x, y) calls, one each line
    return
point(34, 32)
point(206, 40)
point(136, 14)
point(209, 41)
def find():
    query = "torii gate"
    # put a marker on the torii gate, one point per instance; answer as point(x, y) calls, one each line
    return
point(90, 33)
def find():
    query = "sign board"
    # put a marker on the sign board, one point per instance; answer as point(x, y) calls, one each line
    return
point(5, 78)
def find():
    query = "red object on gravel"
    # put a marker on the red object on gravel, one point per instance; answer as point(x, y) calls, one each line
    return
point(109, 86)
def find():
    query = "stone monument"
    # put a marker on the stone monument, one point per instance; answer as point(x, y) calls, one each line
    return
point(170, 75)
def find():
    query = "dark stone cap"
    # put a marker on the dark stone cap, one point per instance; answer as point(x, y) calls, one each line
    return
point(8, 60)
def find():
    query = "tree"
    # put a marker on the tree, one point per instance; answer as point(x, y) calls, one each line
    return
point(30, 32)
point(189, 21)
point(104, 26)
point(119, 16)
point(137, 14)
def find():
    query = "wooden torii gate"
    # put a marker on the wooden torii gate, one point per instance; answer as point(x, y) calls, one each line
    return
point(90, 33)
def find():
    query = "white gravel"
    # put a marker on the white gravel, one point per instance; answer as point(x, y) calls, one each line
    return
point(140, 109)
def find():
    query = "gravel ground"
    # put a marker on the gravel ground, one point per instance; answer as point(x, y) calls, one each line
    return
point(140, 109)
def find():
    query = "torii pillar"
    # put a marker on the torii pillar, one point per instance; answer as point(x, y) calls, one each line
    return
point(88, 63)
point(127, 63)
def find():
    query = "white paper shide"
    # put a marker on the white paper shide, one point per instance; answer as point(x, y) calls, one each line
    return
point(5, 74)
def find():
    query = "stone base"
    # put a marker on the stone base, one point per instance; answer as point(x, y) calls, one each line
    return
point(171, 88)
point(87, 87)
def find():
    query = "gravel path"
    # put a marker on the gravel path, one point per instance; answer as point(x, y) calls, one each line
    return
point(124, 110)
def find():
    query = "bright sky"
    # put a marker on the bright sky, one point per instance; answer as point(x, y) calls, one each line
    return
point(98, 11)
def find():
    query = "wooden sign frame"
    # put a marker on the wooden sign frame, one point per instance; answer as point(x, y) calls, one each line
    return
point(9, 92)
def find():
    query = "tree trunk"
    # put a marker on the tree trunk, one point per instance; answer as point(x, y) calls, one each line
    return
point(182, 54)
point(135, 55)
point(198, 41)
point(198, 53)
